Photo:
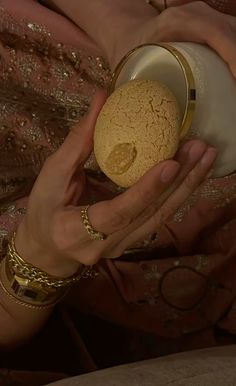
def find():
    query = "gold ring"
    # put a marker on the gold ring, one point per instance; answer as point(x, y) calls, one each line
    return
point(159, 8)
point(95, 235)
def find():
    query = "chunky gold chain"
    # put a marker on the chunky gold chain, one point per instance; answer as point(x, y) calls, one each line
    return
point(27, 305)
point(95, 235)
point(28, 271)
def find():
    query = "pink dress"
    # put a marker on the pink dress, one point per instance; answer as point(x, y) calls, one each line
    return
point(177, 294)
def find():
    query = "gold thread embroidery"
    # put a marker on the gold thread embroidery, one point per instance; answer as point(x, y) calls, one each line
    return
point(45, 88)
point(221, 195)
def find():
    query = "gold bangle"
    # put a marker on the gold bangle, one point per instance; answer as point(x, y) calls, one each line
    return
point(28, 285)
point(3, 278)
point(24, 304)
point(28, 271)
point(30, 291)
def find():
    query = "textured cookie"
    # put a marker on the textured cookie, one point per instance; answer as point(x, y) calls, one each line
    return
point(137, 127)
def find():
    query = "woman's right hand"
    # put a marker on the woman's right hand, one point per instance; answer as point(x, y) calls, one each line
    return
point(194, 22)
point(52, 236)
point(186, 21)
point(225, 6)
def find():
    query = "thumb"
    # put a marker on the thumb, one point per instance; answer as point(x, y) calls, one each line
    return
point(79, 142)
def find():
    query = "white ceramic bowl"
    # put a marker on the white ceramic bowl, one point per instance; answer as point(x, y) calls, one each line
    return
point(203, 85)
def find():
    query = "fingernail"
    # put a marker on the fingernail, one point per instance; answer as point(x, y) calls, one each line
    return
point(169, 172)
point(196, 151)
point(209, 157)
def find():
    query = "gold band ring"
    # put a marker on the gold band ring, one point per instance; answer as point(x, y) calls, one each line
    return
point(158, 7)
point(95, 235)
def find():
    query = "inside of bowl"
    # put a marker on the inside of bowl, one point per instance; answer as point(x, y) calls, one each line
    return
point(155, 63)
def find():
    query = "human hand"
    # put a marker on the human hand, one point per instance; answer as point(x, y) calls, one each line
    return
point(225, 6)
point(200, 23)
point(52, 236)
point(194, 22)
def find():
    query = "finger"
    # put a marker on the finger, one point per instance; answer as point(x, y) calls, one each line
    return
point(173, 202)
point(198, 22)
point(60, 169)
point(225, 6)
point(113, 215)
point(159, 5)
point(105, 216)
point(72, 234)
point(188, 156)
point(140, 201)
point(193, 21)
point(163, 4)
point(108, 216)
point(79, 142)
point(223, 41)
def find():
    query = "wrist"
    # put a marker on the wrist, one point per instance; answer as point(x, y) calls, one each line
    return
point(30, 286)
point(35, 254)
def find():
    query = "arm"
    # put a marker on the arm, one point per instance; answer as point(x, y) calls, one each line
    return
point(17, 323)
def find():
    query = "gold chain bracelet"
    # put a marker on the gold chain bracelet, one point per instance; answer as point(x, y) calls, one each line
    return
point(27, 305)
point(28, 271)
point(31, 287)
point(6, 287)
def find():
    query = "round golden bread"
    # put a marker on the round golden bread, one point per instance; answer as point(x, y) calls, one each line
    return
point(137, 127)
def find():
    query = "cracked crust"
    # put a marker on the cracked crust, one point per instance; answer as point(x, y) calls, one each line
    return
point(141, 115)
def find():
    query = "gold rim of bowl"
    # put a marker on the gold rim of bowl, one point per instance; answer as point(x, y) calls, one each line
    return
point(189, 80)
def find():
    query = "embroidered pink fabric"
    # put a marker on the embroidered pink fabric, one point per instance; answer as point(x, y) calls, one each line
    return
point(184, 283)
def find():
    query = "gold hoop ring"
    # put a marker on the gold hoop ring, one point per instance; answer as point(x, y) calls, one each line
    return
point(158, 7)
point(94, 235)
